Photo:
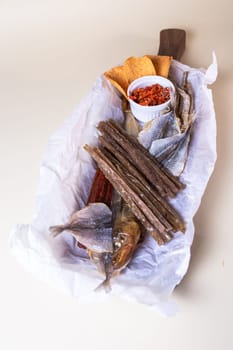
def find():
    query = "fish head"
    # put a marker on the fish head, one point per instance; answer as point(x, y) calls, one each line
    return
point(125, 238)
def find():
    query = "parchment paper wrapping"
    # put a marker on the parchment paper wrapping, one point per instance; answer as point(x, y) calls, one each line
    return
point(66, 176)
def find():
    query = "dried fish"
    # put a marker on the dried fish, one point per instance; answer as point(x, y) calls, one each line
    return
point(178, 156)
point(126, 234)
point(91, 226)
point(164, 125)
point(187, 86)
point(172, 151)
point(184, 108)
point(103, 262)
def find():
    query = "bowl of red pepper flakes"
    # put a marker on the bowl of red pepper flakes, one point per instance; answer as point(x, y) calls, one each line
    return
point(150, 96)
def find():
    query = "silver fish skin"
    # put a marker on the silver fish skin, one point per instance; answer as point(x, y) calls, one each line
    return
point(177, 159)
point(91, 226)
point(172, 151)
point(164, 125)
point(103, 262)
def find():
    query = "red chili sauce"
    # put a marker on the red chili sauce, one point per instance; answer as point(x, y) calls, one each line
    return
point(150, 95)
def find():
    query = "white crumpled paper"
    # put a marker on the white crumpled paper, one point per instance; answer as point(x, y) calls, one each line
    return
point(66, 176)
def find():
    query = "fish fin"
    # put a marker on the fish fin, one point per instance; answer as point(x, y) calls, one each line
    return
point(56, 230)
point(105, 285)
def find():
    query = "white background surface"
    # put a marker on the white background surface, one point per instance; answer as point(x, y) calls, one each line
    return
point(51, 53)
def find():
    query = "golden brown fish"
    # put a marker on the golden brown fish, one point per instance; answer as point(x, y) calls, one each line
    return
point(126, 234)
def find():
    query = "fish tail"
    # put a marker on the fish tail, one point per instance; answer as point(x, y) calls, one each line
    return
point(56, 230)
point(105, 285)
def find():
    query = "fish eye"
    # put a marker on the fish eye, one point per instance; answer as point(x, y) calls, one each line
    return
point(117, 245)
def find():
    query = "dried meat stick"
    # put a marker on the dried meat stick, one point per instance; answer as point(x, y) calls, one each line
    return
point(127, 194)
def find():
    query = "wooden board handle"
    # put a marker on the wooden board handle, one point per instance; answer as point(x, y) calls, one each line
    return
point(172, 43)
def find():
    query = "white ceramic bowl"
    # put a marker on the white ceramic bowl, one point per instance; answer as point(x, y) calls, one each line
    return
point(146, 113)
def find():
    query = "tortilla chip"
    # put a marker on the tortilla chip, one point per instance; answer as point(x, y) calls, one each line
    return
point(118, 75)
point(119, 88)
point(133, 68)
point(137, 67)
point(161, 64)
